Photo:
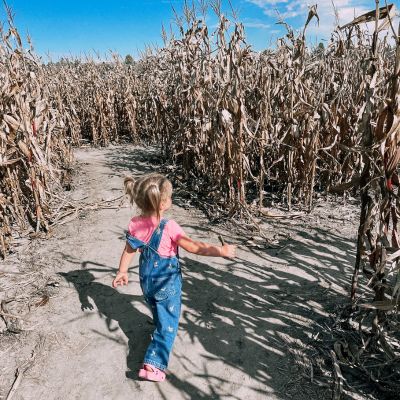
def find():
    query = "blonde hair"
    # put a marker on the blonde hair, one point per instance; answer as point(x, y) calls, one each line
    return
point(148, 192)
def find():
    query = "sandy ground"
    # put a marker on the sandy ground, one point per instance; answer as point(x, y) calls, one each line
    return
point(246, 324)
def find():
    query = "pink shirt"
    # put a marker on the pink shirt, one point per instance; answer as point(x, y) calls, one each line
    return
point(143, 227)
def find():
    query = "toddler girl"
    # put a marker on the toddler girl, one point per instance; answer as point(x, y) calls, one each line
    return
point(157, 240)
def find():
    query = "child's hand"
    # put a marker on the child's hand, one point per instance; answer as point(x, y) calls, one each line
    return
point(228, 250)
point(121, 279)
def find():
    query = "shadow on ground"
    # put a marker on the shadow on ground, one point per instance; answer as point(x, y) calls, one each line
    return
point(256, 314)
point(112, 306)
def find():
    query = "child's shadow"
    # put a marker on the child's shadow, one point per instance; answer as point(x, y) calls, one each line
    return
point(116, 306)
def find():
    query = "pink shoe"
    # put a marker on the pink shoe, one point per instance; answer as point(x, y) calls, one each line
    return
point(156, 375)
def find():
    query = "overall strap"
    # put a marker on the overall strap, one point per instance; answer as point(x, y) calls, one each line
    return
point(155, 239)
point(134, 242)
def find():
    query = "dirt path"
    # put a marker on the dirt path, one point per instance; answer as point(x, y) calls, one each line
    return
point(245, 325)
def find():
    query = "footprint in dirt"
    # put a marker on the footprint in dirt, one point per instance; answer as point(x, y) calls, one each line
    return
point(114, 306)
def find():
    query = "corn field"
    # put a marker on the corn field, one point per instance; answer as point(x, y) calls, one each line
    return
point(236, 123)
point(34, 148)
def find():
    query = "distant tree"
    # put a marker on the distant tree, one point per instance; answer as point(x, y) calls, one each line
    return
point(321, 46)
point(128, 59)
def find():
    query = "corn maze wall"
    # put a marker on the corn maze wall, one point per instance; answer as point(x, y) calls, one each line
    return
point(237, 124)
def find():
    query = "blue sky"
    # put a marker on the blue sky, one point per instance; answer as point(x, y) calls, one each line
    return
point(61, 27)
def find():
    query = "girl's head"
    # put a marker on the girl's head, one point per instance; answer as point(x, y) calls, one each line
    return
point(151, 193)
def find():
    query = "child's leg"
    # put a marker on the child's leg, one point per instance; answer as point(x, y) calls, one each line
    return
point(152, 304)
point(167, 320)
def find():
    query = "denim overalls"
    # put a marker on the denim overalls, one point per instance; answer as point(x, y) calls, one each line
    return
point(161, 283)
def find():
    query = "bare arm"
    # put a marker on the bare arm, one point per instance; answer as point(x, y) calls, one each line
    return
point(205, 249)
point(126, 258)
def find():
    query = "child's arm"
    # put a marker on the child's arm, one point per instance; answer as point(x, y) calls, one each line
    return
point(205, 249)
point(126, 258)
